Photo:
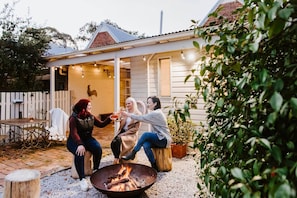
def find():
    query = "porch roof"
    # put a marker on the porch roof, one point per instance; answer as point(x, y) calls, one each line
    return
point(144, 46)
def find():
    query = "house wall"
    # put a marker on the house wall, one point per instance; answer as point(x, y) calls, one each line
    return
point(144, 80)
point(98, 79)
point(81, 77)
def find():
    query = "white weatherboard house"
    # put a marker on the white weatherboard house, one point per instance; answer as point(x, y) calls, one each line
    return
point(116, 65)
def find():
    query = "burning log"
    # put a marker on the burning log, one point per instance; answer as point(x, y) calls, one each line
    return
point(134, 182)
point(116, 182)
point(122, 181)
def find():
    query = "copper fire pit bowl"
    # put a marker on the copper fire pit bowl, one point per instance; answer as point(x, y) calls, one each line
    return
point(143, 174)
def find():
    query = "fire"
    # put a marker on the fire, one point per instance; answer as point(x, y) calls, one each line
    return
point(122, 181)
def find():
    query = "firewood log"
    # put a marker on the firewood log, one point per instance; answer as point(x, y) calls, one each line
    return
point(113, 183)
point(134, 182)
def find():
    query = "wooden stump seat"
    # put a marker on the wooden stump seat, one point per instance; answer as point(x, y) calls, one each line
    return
point(163, 158)
point(88, 166)
point(23, 183)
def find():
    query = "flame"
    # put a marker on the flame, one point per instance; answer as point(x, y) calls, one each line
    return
point(119, 184)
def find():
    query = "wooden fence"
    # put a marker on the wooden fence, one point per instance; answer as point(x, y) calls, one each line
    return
point(31, 104)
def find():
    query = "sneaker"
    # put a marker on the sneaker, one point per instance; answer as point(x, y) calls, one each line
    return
point(84, 184)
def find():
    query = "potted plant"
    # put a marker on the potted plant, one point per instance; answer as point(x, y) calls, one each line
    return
point(180, 125)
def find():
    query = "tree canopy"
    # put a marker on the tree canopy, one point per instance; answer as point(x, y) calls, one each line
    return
point(22, 50)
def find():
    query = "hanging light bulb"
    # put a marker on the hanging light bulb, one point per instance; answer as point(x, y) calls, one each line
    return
point(82, 74)
point(182, 55)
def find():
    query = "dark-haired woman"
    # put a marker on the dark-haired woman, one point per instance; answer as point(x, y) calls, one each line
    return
point(159, 137)
point(80, 139)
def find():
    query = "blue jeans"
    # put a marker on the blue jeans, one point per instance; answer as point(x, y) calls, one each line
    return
point(150, 140)
point(92, 145)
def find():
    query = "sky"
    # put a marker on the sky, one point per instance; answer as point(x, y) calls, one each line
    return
point(67, 16)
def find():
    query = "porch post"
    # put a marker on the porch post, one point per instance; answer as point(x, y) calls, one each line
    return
point(52, 87)
point(116, 88)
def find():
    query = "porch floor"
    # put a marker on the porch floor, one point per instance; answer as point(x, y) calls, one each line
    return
point(47, 160)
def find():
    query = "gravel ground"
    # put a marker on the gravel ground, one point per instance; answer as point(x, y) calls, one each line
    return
point(180, 182)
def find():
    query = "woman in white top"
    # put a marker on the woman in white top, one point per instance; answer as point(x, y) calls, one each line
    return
point(159, 137)
point(127, 134)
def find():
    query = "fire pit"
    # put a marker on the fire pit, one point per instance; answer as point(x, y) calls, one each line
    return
point(124, 180)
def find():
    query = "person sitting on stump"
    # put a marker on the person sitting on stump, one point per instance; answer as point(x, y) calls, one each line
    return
point(80, 139)
point(127, 134)
point(159, 137)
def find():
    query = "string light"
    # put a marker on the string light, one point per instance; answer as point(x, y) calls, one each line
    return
point(182, 55)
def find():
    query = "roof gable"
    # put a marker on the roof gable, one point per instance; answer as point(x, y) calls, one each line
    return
point(107, 34)
point(226, 9)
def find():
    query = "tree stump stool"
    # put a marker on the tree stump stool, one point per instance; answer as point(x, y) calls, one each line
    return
point(163, 158)
point(23, 183)
point(87, 163)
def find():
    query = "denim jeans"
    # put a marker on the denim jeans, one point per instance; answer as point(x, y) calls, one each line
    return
point(149, 140)
point(92, 145)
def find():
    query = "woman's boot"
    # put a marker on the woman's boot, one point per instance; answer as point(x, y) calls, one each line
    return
point(130, 156)
point(154, 166)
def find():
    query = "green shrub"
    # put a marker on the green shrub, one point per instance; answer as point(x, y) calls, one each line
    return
point(249, 85)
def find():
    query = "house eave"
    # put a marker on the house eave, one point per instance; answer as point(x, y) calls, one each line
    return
point(105, 52)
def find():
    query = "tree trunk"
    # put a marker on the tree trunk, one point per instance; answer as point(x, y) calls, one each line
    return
point(23, 183)
point(163, 158)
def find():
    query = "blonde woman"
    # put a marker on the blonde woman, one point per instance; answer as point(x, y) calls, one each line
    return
point(127, 134)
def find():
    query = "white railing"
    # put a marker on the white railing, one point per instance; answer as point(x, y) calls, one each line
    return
point(31, 104)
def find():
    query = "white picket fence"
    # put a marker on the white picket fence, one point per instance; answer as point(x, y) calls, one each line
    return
point(31, 104)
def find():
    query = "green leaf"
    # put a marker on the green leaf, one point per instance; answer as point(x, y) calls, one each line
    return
point(254, 47)
point(187, 78)
point(272, 12)
point(197, 83)
point(220, 102)
point(237, 173)
point(283, 191)
point(271, 118)
point(285, 13)
point(205, 94)
point(236, 67)
point(236, 186)
point(293, 102)
point(290, 145)
point(256, 167)
point(265, 143)
point(260, 22)
point(276, 101)
point(263, 75)
point(231, 49)
point(231, 142)
point(276, 154)
point(196, 44)
point(276, 27)
point(219, 69)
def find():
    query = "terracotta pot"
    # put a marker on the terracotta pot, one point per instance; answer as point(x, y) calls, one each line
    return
point(179, 150)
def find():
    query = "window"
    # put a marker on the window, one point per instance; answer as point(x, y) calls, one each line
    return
point(164, 77)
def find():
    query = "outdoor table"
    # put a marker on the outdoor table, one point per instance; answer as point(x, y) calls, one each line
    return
point(27, 132)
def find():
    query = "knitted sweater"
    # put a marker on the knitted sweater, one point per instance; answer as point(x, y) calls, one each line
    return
point(158, 122)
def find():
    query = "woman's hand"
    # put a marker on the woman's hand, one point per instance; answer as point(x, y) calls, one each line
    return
point(125, 113)
point(115, 116)
point(80, 151)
